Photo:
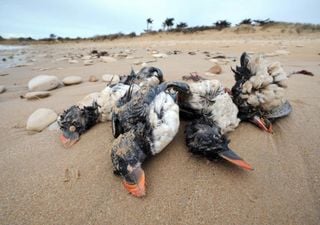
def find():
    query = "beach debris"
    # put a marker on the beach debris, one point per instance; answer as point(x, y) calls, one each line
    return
point(111, 78)
point(88, 62)
point(192, 53)
point(304, 72)
point(43, 83)
point(4, 74)
point(216, 69)
point(35, 95)
point(71, 80)
point(194, 76)
point(108, 59)
point(40, 119)
point(93, 78)
point(2, 89)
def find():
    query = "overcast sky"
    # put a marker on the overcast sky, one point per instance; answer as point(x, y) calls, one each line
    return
point(72, 18)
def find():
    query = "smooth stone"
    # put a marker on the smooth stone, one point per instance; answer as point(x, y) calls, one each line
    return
point(87, 62)
point(2, 89)
point(107, 59)
point(73, 61)
point(216, 69)
point(70, 80)
point(93, 78)
point(160, 55)
point(40, 119)
point(86, 57)
point(36, 95)
point(43, 83)
point(110, 78)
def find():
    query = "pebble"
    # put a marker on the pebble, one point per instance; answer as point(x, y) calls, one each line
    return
point(216, 69)
point(110, 78)
point(70, 80)
point(88, 62)
point(107, 59)
point(160, 55)
point(93, 78)
point(73, 61)
point(40, 119)
point(43, 83)
point(2, 89)
point(36, 95)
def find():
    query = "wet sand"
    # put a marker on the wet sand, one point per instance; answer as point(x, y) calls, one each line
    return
point(44, 183)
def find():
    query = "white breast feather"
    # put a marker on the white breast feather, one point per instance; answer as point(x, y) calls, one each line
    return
point(266, 88)
point(208, 96)
point(165, 129)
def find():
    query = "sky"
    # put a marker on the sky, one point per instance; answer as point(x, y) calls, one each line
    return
point(86, 18)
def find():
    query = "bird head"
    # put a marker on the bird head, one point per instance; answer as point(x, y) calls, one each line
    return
point(127, 156)
point(75, 121)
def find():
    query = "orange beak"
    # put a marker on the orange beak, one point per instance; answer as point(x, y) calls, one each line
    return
point(68, 142)
point(263, 124)
point(137, 189)
point(232, 157)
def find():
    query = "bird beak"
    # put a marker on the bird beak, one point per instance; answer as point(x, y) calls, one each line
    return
point(69, 138)
point(232, 157)
point(138, 187)
point(262, 123)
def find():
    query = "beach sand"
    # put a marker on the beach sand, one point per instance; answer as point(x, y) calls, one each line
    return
point(44, 183)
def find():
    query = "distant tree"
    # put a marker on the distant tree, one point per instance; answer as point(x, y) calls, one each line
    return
point(264, 22)
point(246, 21)
point(53, 36)
point(164, 26)
point(132, 34)
point(169, 23)
point(221, 24)
point(149, 21)
point(182, 25)
point(1, 38)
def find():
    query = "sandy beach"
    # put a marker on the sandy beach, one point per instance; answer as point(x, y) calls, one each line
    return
point(44, 183)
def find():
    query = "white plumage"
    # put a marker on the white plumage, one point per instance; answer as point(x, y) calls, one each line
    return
point(165, 128)
point(265, 89)
point(209, 98)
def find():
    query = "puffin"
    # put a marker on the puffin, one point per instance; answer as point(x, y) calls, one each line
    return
point(144, 124)
point(204, 137)
point(259, 91)
point(209, 98)
point(97, 107)
point(211, 114)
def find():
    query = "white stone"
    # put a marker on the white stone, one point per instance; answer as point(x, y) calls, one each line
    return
point(86, 57)
point(2, 89)
point(160, 55)
point(70, 80)
point(43, 83)
point(87, 62)
point(107, 59)
point(73, 61)
point(110, 78)
point(40, 119)
point(36, 95)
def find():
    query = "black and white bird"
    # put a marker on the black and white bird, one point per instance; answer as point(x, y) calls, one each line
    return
point(209, 98)
point(204, 137)
point(144, 125)
point(259, 91)
point(97, 107)
point(213, 114)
